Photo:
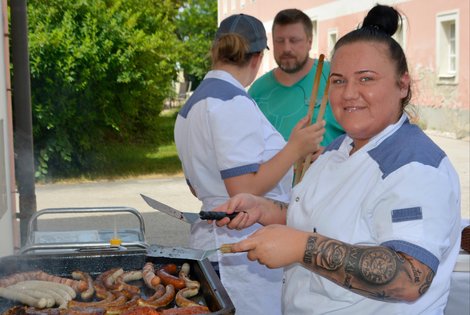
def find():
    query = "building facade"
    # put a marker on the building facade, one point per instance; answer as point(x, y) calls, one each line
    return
point(435, 36)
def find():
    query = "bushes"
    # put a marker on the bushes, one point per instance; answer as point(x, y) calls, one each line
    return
point(100, 71)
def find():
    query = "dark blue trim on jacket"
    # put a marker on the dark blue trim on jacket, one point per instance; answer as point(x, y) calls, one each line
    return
point(240, 170)
point(335, 144)
point(408, 144)
point(215, 88)
point(407, 214)
point(415, 251)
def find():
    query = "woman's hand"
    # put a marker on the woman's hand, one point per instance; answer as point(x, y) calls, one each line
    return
point(274, 246)
point(247, 207)
point(305, 138)
point(251, 209)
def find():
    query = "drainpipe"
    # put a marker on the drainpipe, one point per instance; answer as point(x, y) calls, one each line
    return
point(22, 115)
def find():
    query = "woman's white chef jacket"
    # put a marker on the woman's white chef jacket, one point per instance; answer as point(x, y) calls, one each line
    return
point(221, 133)
point(399, 191)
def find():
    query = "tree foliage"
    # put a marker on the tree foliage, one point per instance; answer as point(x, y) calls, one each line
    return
point(196, 25)
point(100, 71)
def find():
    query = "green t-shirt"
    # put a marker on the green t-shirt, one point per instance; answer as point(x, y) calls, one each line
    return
point(284, 106)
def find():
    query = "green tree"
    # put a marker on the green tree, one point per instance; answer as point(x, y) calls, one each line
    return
point(196, 25)
point(100, 71)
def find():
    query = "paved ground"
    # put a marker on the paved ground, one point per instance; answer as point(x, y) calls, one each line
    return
point(164, 230)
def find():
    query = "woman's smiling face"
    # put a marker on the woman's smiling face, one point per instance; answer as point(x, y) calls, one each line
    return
point(365, 90)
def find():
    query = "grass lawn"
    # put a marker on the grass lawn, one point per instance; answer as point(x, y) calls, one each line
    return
point(120, 161)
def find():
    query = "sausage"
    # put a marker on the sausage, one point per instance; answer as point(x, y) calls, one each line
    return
point(148, 273)
point(184, 274)
point(110, 277)
point(165, 274)
point(78, 286)
point(85, 311)
point(164, 300)
point(118, 309)
point(121, 284)
point(46, 311)
point(141, 311)
point(51, 301)
point(183, 295)
point(98, 284)
point(159, 291)
point(80, 275)
point(18, 295)
point(65, 291)
point(190, 310)
point(108, 299)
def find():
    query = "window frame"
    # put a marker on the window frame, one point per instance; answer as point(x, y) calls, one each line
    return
point(444, 73)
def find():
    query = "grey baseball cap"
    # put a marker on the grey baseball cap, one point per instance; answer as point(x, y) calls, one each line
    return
point(248, 27)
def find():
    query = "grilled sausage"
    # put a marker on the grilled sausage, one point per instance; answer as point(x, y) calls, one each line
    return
point(159, 291)
point(78, 286)
point(46, 311)
point(164, 300)
point(128, 276)
point(184, 274)
point(85, 311)
point(165, 274)
point(110, 277)
point(22, 297)
point(118, 309)
point(141, 311)
point(66, 292)
point(80, 275)
point(148, 273)
point(51, 301)
point(190, 310)
point(183, 295)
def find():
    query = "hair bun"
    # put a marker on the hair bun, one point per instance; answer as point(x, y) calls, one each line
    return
point(382, 18)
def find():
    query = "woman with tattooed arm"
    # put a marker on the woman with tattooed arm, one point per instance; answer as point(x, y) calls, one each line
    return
point(374, 226)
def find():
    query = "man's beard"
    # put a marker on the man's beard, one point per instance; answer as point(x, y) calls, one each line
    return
point(295, 68)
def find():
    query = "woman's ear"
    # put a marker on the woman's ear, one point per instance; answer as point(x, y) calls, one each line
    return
point(404, 84)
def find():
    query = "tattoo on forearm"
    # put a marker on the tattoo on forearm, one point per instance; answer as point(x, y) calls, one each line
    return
point(427, 283)
point(282, 205)
point(308, 254)
point(331, 254)
point(378, 265)
point(377, 272)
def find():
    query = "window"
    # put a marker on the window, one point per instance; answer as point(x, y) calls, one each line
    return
point(314, 51)
point(332, 38)
point(447, 47)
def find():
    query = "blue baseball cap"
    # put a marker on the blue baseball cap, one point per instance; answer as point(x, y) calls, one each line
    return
point(248, 27)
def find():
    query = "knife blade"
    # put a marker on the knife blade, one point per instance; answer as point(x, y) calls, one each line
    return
point(187, 217)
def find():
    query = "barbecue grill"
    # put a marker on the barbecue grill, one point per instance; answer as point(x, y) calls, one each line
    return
point(60, 253)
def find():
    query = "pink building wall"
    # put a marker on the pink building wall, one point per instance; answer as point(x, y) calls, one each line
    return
point(419, 44)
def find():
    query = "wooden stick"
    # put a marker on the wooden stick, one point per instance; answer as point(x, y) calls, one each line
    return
point(321, 112)
point(311, 107)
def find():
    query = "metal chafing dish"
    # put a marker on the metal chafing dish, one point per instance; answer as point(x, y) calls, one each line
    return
point(61, 252)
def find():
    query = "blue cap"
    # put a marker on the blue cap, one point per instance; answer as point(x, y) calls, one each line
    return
point(248, 27)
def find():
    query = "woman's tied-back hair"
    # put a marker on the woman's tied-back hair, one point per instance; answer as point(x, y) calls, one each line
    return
point(231, 48)
point(292, 16)
point(379, 26)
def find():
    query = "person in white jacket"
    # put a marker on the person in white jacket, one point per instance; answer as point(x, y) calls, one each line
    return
point(227, 146)
point(374, 226)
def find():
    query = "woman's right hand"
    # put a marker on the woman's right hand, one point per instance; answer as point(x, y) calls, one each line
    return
point(305, 138)
point(248, 208)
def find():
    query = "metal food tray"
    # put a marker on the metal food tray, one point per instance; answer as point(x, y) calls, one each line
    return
point(60, 254)
point(212, 293)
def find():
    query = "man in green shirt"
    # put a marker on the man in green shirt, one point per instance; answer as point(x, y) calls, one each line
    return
point(283, 94)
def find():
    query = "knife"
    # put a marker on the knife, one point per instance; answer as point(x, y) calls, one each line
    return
point(188, 217)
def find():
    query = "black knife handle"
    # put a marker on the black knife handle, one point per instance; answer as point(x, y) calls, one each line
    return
point(214, 215)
